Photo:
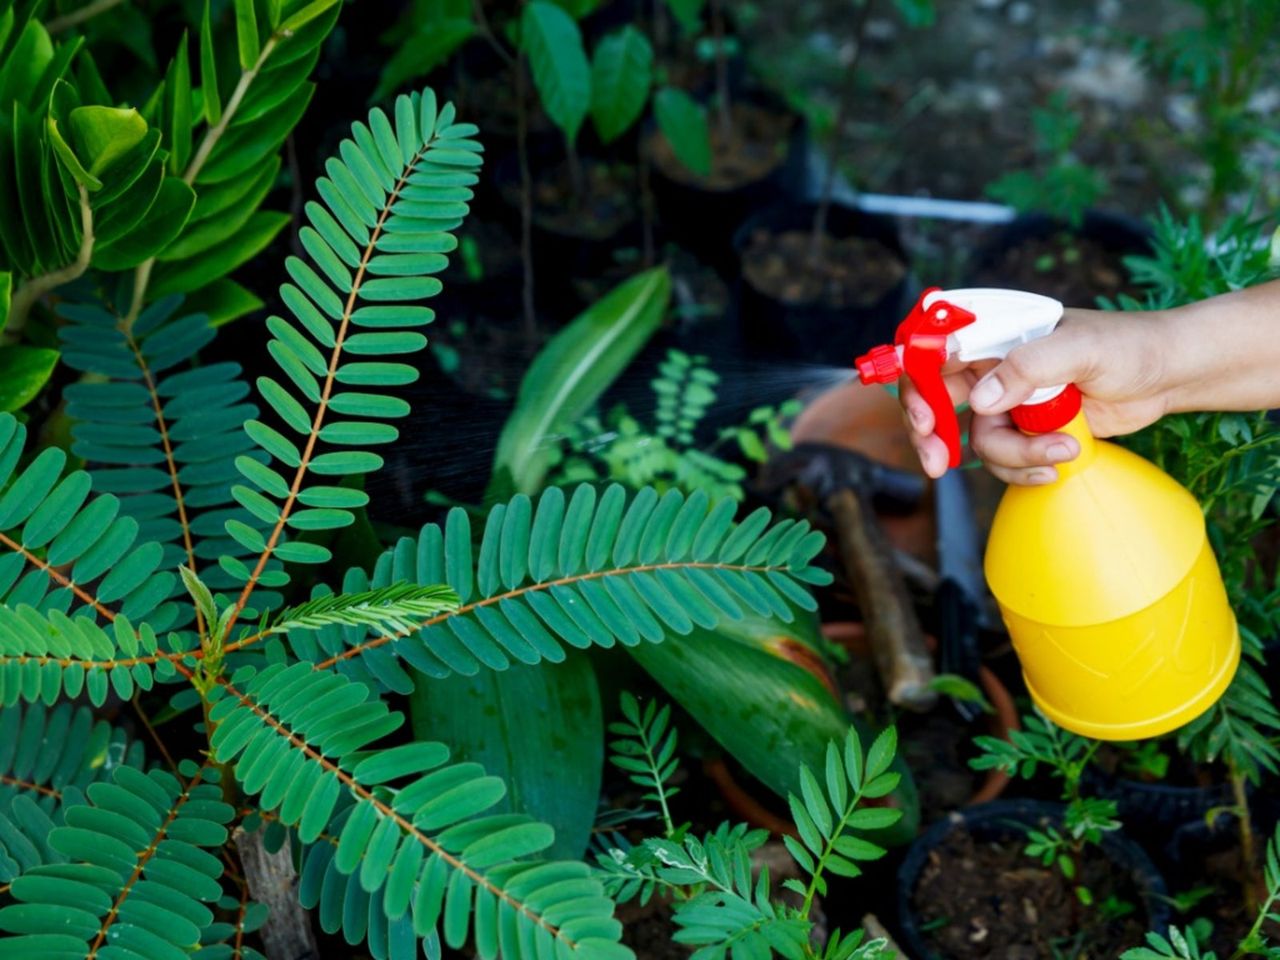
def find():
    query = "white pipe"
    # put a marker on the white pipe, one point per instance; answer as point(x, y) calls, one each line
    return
point(937, 208)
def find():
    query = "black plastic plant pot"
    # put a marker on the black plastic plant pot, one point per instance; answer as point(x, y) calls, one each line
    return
point(1022, 255)
point(1187, 847)
point(1006, 820)
point(1152, 810)
point(703, 215)
point(567, 243)
point(830, 328)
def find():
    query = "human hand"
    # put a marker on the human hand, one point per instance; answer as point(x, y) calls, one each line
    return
point(1118, 360)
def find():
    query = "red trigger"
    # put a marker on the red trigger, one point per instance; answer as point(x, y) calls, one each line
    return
point(923, 337)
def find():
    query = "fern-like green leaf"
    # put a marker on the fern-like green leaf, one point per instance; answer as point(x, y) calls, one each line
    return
point(382, 232)
point(61, 550)
point(410, 821)
point(136, 876)
point(162, 437)
point(46, 655)
point(48, 758)
point(387, 611)
point(342, 905)
point(587, 570)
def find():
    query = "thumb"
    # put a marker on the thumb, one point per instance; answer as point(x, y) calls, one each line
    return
point(1056, 359)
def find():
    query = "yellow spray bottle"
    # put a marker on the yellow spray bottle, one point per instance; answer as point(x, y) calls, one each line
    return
point(1105, 578)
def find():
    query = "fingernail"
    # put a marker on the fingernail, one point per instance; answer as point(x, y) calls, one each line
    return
point(1042, 475)
point(1059, 452)
point(986, 392)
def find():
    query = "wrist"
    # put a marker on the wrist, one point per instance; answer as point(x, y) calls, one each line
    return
point(1185, 357)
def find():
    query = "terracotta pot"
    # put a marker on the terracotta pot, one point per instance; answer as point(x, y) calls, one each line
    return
point(853, 637)
point(868, 420)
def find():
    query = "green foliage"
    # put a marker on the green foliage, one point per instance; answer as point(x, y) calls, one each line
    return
point(394, 609)
point(621, 76)
point(646, 751)
point(917, 13)
point(558, 62)
point(48, 758)
point(1179, 945)
point(569, 375)
point(724, 906)
point(138, 875)
point(584, 570)
point(398, 190)
point(23, 373)
point(827, 811)
point(1063, 187)
point(168, 189)
point(425, 36)
point(48, 521)
point(684, 124)
point(129, 445)
point(1221, 60)
point(1064, 756)
point(623, 449)
point(432, 846)
point(1186, 944)
point(187, 557)
point(1231, 463)
point(540, 728)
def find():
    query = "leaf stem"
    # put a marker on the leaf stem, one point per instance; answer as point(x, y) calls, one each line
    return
point(1247, 856)
point(32, 289)
point(828, 848)
point(78, 16)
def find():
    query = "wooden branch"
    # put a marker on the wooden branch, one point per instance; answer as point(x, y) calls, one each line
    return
point(273, 881)
point(893, 630)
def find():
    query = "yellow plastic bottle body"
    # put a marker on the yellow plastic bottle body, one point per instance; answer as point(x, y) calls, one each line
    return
point(1112, 595)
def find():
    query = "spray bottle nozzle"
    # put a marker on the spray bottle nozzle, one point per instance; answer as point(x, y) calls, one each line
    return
point(968, 324)
point(879, 365)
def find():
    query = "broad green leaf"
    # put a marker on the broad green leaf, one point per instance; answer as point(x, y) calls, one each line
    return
point(6, 294)
point(219, 260)
point(211, 98)
point(304, 16)
point(23, 371)
point(539, 728)
point(70, 160)
point(917, 13)
point(575, 367)
point(621, 74)
point(152, 233)
point(431, 45)
point(683, 121)
point(559, 64)
point(578, 8)
point(102, 135)
point(792, 715)
point(25, 64)
point(247, 33)
point(222, 301)
point(177, 109)
point(688, 13)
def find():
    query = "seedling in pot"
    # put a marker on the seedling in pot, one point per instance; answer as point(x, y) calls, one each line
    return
point(1186, 943)
point(721, 902)
point(1043, 744)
